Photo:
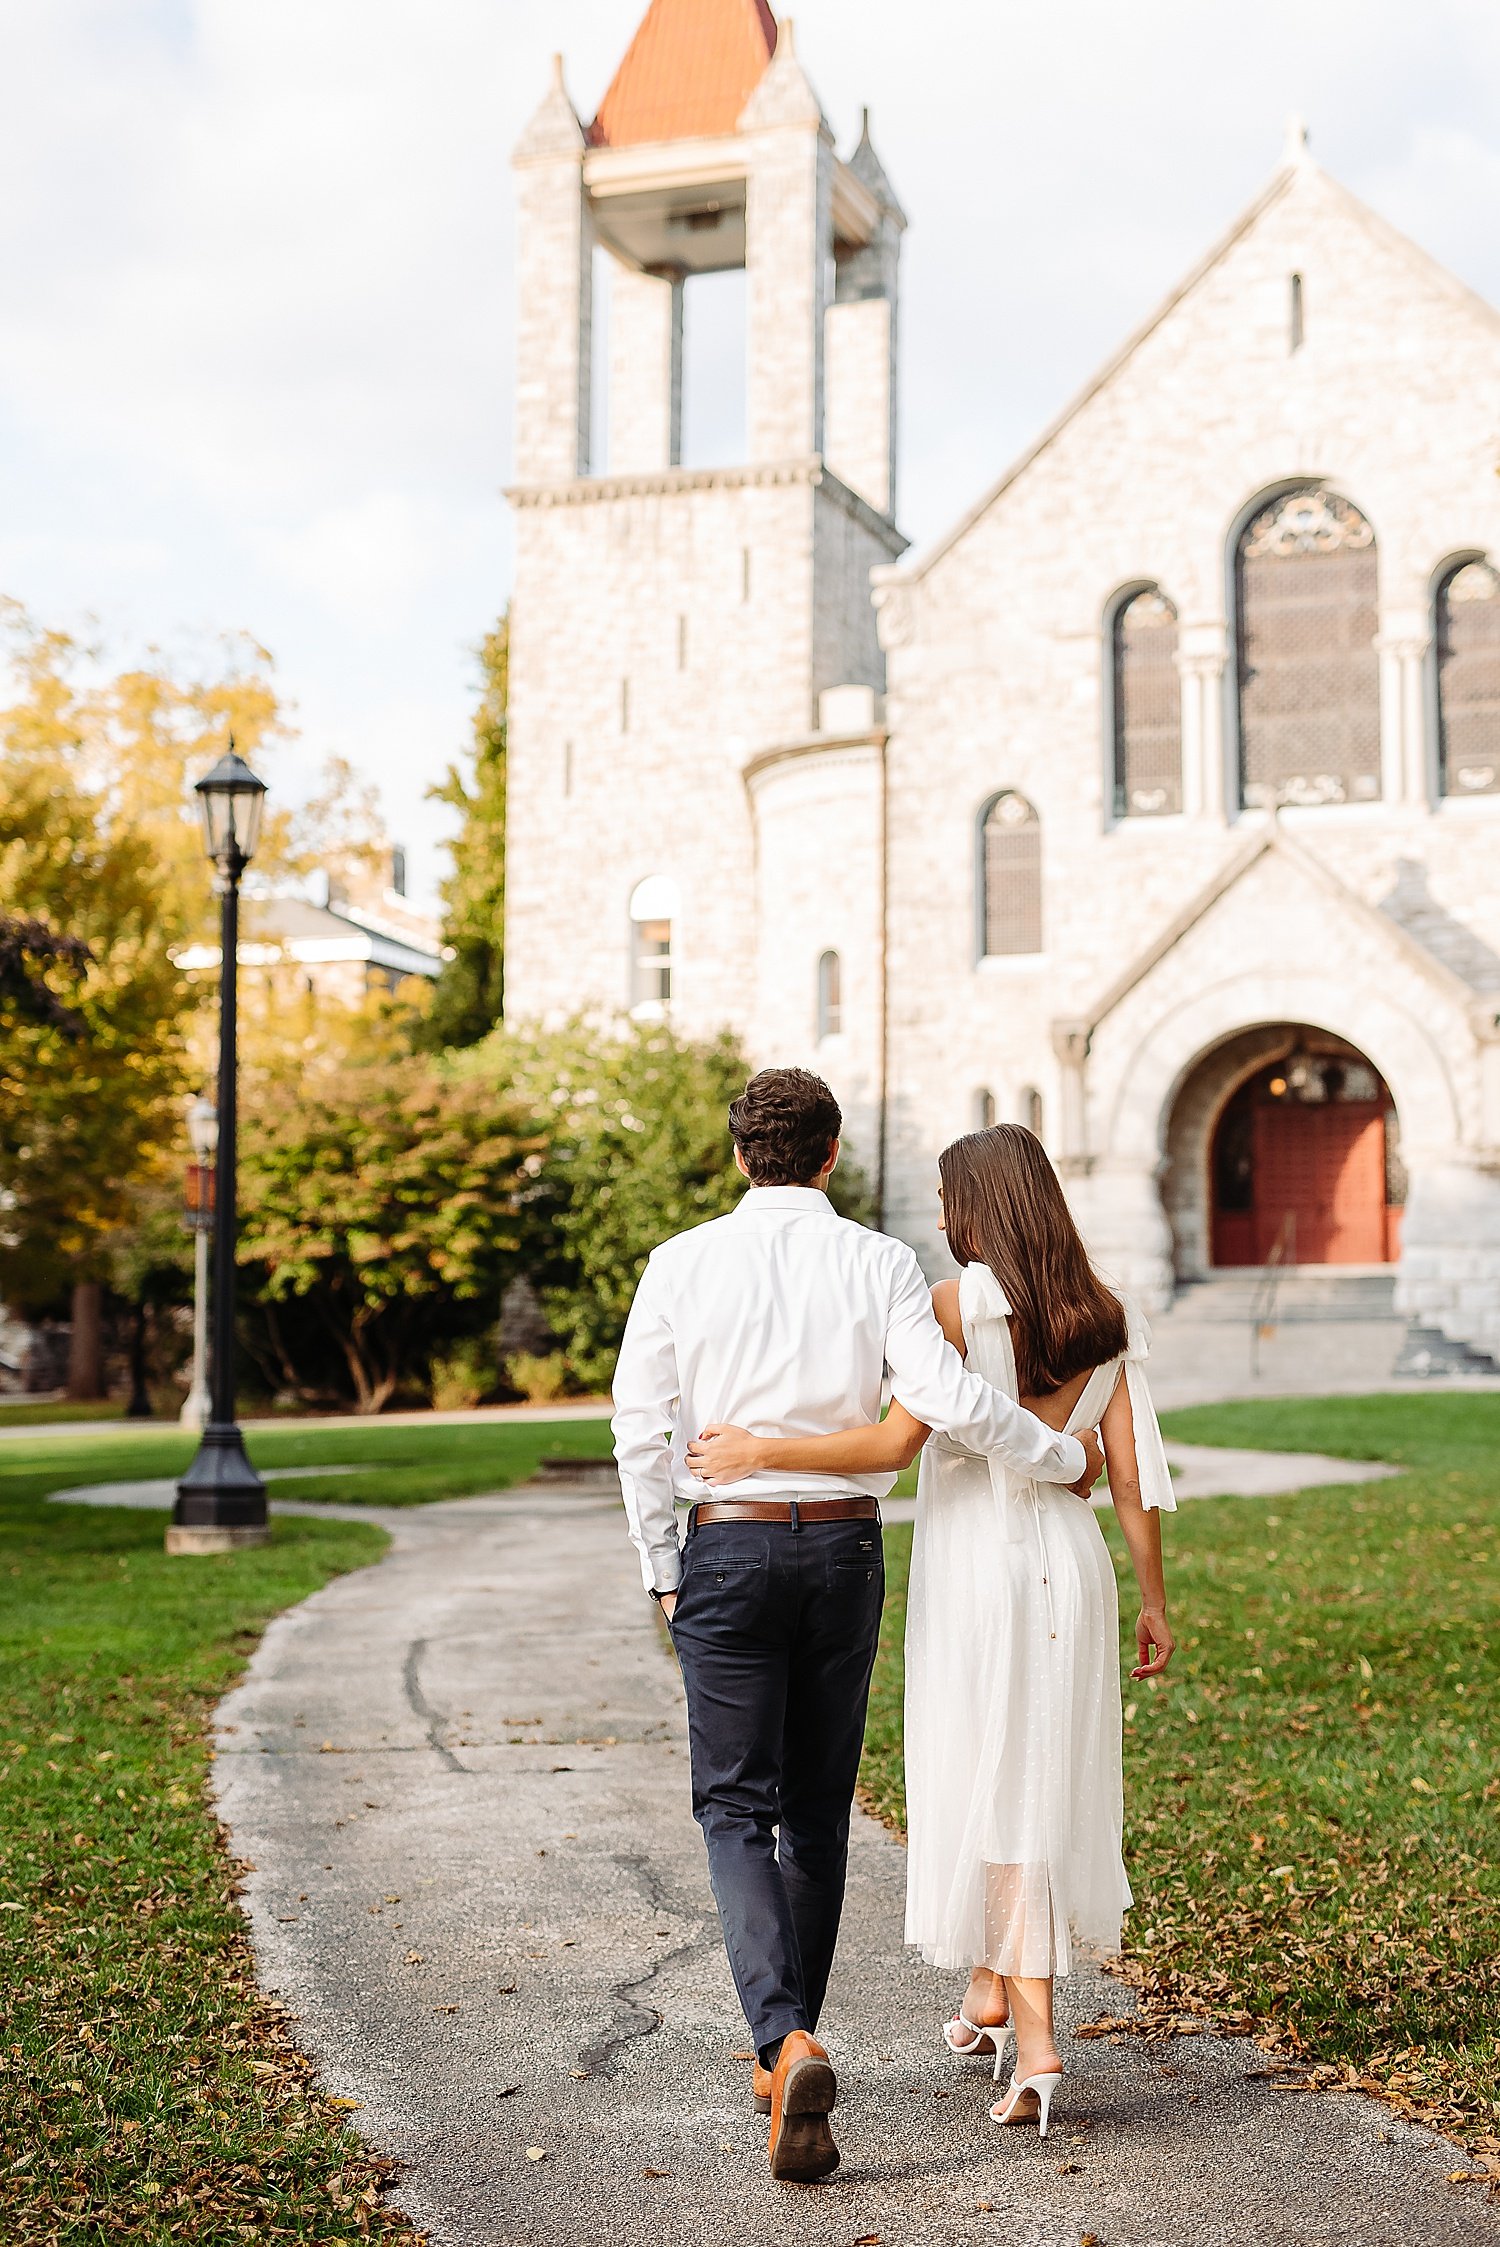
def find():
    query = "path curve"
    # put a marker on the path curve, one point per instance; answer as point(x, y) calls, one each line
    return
point(460, 1777)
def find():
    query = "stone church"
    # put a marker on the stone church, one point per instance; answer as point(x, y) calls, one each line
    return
point(1157, 805)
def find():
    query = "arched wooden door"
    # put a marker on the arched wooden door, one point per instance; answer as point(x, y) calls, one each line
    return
point(1305, 1166)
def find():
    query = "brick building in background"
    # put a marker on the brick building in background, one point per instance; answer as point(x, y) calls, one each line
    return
point(1157, 806)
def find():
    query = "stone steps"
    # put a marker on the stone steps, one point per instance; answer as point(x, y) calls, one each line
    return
point(1300, 1294)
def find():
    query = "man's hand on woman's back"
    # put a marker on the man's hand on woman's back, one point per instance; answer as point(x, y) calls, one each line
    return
point(1094, 1453)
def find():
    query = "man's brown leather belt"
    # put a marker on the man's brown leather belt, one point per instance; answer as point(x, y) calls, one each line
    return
point(781, 1509)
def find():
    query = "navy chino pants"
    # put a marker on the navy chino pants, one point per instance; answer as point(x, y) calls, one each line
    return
point(776, 1629)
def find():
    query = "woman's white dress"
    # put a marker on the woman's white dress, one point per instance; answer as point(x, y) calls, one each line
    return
point(1013, 1756)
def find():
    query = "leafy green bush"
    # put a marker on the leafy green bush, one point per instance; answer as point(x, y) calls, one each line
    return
point(462, 1377)
point(636, 1147)
point(539, 1379)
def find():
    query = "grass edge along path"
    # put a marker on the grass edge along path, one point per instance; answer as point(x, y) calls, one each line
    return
point(1310, 1795)
point(148, 2090)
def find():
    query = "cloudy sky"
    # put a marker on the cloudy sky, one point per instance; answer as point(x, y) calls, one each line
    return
point(256, 264)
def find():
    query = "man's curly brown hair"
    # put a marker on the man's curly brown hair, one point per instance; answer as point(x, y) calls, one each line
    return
point(784, 1124)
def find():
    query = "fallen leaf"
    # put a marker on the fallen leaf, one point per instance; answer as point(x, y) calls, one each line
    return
point(1069, 2168)
point(742, 2055)
point(351, 2104)
point(509, 2092)
point(1466, 2176)
point(414, 1958)
point(579, 2075)
point(1420, 1786)
point(445, 2009)
point(656, 2172)
point(536, 2153)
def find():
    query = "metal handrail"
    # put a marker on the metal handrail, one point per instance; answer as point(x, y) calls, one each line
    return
point(1263, 1298)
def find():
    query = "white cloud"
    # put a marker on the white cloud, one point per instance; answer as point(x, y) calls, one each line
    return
point(256, 267)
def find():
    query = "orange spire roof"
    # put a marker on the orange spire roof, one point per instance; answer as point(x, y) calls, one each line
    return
point(687, 73)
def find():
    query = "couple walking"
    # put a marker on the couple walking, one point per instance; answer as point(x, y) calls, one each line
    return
point(752, 1369)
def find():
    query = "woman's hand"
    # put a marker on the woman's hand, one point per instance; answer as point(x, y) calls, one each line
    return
point(724, 1455)
point(1153, 1641)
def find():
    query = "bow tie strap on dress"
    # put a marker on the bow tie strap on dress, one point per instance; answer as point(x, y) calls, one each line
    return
point(1150, 1452)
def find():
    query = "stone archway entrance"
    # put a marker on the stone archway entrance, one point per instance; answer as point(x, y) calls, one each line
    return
point(1284, 1142)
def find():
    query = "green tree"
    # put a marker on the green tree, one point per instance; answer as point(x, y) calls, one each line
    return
point(467, 999)
point(103, 878)
point(387, 1197)
point(638, 1148)
point(87, 1084)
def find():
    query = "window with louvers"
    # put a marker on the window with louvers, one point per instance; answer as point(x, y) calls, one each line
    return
point(1011, 871)
point(1309, 676)
point(1468, 660)
point(1148, 708)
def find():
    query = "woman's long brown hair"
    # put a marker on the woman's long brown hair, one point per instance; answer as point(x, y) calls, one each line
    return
point(1003, 1206)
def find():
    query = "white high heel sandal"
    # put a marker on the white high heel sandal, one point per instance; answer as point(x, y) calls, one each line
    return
point(1004, 2110)
point(998, 2032)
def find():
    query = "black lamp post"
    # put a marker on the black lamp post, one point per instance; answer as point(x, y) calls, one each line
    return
point(221, 1500)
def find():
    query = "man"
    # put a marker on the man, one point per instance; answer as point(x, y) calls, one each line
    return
point(783, 1318)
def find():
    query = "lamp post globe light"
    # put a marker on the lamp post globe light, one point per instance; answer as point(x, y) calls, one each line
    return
point(221, 1500)
point(203, 1138)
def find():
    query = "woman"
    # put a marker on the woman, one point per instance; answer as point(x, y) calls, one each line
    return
point(1013, 1732)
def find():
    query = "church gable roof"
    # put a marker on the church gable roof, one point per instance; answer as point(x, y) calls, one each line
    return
point(1300, 173)
point(1452, 977)
point(687, 73)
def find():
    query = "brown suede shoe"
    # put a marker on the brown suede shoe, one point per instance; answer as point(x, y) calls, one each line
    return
point(760, 2088)
point(803, 2090)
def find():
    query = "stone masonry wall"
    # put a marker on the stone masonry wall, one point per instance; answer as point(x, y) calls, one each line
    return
point(997, 658)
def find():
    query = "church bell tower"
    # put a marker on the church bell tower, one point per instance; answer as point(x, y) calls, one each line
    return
point(696, 754)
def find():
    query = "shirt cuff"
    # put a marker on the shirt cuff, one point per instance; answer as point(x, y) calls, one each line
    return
point(1080, 1455)
point(662, 1572)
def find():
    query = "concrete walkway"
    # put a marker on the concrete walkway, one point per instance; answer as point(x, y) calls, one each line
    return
point(461, 1780)
point(1199, 1470)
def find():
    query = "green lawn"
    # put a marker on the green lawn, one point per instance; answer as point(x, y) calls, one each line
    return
point(147, 2092)
point(1311, 1794)
point(22, 1415)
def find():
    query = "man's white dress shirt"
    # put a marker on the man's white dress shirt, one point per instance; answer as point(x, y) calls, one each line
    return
point(783, 1318)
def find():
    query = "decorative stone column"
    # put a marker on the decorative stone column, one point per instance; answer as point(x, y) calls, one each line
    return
point(1070, 1042)
point(645, 372)
point(1484, 1019)
point(1405, 767)
point(1203, 651)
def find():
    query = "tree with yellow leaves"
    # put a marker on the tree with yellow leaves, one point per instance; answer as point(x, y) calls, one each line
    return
point(102, 866)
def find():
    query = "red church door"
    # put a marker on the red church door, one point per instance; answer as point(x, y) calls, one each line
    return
point(1325, 1165)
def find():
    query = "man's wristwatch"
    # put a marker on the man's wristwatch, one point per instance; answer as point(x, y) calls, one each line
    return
point(659, 1596)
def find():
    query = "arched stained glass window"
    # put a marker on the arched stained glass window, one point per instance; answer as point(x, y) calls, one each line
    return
point(1011, 877)
point(830, 995)
point(1147, 707)
point(1468, 670)
point(1309, 676)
